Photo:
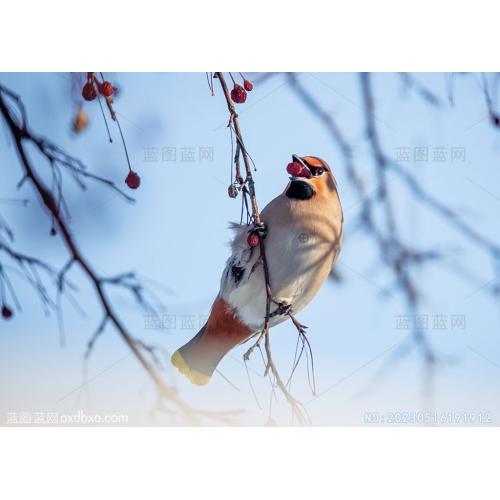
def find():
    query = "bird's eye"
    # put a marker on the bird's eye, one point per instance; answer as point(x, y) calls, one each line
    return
point(319, 171)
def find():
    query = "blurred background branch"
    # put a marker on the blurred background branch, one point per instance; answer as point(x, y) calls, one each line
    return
point(402, 259)
point(15, 118)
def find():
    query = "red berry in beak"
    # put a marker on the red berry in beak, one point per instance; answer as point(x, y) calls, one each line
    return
point(253, 240)
point(297, 170)
point(133, 181)
point(248, 86)
point(294, 169)
point(238, 94)
point(106, 89)
point(89, 92)
point(6, 312)
point(306, 173)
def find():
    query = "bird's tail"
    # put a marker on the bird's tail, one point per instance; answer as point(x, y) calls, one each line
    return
point(194, 362)
point(199, 358)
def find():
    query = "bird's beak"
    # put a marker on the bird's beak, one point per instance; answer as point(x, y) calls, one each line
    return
point(298, 159)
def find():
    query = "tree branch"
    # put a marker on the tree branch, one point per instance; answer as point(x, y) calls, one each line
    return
point(21, 134)
point(260, 229)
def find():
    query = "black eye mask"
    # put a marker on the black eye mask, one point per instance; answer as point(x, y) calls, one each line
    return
point(315, 171)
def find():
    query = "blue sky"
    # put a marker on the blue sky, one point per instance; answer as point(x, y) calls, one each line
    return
point(176, 235)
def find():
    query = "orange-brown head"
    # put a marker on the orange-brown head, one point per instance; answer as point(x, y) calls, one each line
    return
point(319, 180)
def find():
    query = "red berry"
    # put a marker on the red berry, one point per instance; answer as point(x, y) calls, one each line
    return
point(89, 93)
point(294, 169)
point(6, 312)
point(106, 89)
point(253, 240)
point(297, 170)
point(133, 181)
point(238, 94)
point(248, 86)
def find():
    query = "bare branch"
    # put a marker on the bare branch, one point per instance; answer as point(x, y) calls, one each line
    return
point(168, 397)
point(259, 228)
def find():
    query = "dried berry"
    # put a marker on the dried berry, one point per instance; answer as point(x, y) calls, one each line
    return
point(106, 89)
point(248, 86)
point(133, 181)
point(81, 121)
point(53, 231)
point(89, 92)
point(495, 119)
point(232, 191)
point(6, 312)
point(253, 240)
point(238, 94)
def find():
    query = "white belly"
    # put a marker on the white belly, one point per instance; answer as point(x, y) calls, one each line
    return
point(299, 260)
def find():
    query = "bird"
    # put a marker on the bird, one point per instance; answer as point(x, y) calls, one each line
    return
point(302, 238)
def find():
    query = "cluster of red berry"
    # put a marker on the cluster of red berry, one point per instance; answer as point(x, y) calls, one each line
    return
point(239, 93)
point(89, 93)
point(93, 85)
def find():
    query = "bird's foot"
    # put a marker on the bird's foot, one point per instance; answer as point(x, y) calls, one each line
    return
point(300, 327)
point(283, 308)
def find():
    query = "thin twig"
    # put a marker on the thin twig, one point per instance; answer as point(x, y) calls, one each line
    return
point(249, 186)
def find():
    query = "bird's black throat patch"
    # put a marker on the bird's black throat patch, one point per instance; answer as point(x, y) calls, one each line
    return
point(300, 190)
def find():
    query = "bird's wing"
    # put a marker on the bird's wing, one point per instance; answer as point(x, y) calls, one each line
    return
point(297, 267)
point(242, 283)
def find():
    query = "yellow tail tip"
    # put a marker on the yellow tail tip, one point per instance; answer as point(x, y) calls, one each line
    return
point(194, 377)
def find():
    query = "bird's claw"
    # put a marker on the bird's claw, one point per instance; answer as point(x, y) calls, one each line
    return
point(283, 308)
